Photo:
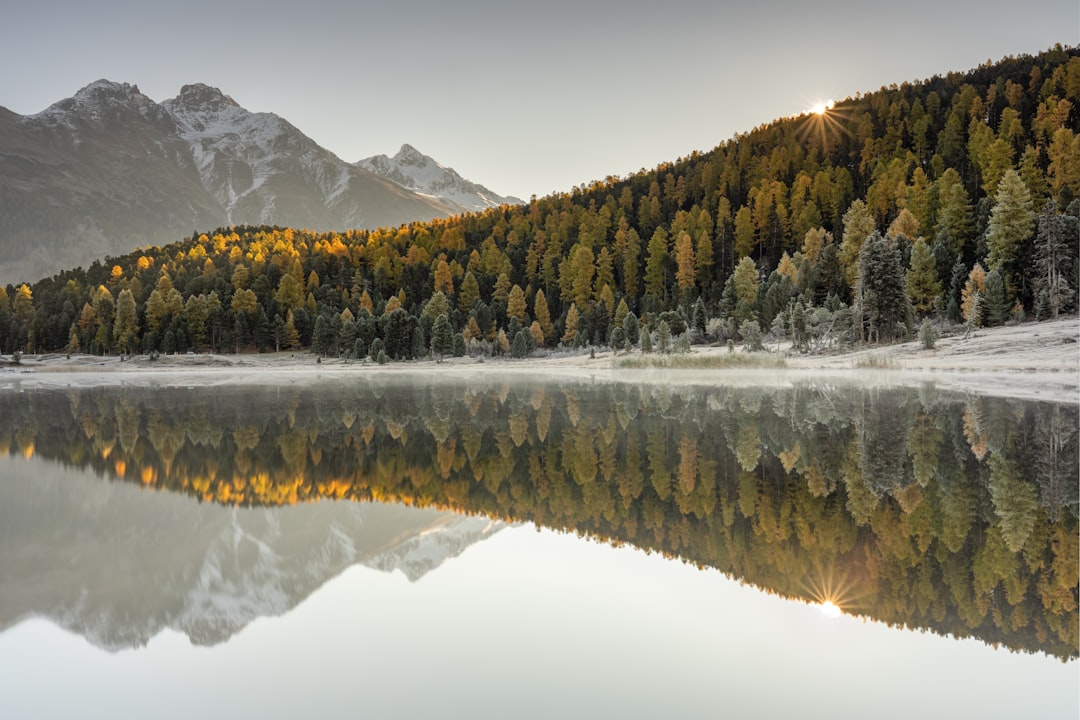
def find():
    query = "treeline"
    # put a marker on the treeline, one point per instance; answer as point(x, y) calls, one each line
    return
point(954, 199)
point(917, 509)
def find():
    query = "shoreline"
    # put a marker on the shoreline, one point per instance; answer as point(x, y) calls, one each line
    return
point(1030, 361)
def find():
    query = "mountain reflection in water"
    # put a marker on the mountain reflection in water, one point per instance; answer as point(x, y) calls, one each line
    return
point(950, 513)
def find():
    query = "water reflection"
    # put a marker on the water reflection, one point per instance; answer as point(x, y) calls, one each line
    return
point(117, 566)
point(919, 509)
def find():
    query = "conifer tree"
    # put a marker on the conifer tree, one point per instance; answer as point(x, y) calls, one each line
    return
point(972, 295)
point(444, 280)
point(632, 328)
point(955, 214)
point(655, 271)
point(1053, 263)
point(995, 302)
point(570, 329)
point(291, 337)
point(858, 224)
point(515, 304)
point(663, 337)
point(923, 286)
point(881, 302)
point(1011, 223)
point(631, 259)
point(686, 270)
point(442, 338)
point(126, 325)
point(542, 314)
point(646, 339)
point(703, 259)
point(744, 285)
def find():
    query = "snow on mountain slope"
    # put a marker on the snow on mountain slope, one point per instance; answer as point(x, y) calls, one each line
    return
point(261, 169)
point(118, 565)
point(108, 170)
point(411, 169)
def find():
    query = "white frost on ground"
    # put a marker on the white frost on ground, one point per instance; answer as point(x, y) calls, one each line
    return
point(1031, 360)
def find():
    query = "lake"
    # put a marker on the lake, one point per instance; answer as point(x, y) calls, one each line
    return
point(400, 545)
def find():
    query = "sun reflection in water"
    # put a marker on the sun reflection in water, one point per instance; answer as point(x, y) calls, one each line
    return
point(830, 609)
point(833, 593)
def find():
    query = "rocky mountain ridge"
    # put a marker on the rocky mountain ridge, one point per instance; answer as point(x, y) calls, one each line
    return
point(109, 169)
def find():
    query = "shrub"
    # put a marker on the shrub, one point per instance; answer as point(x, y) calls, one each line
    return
point(751, 335)
point(928, 334)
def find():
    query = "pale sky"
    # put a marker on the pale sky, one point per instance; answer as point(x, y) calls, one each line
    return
point(525, 98)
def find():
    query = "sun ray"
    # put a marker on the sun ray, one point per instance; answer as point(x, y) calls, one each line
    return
point(833, 593)
point(821, 124)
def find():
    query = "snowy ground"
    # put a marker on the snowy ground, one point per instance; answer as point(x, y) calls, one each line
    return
point(1032, 360)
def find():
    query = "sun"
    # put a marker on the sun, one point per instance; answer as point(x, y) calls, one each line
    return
point(833, 592)
point(822, 124)
point(830, 609)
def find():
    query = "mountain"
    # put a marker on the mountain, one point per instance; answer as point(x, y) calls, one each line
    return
point(109, 170)
point(852, 225)
point(413, 170)
point(118, 565)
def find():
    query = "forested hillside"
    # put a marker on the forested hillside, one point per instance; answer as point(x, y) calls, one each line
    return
point(955, 198)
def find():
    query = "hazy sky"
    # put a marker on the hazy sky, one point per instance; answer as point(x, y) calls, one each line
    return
point(526, 98)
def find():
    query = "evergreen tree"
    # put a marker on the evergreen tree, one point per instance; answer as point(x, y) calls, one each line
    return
point(1053, 265)
point(686, 270)
point(290, 338)
point(419, 347)
point(470, 291)
point(442, 338)
point(923, 287)
point(858, 224)
point(515, 304)
point(703, 259)
point(881, 304)
point(520, 347)
point(570, 328)
point(632, 328)
point(459, 347)
point(631, 260)
point(744, 287)
point(995, 301)
point(955, 213)
point(1011, 223)
point(699, 319)
point(323, 337)
point(378, 349)
point(126, 325)
point(398, 335)
point(543, 315)
point(663, 337)
point(972, 296)
point(655, 265)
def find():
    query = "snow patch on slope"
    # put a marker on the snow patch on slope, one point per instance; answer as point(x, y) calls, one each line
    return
point(420, 173)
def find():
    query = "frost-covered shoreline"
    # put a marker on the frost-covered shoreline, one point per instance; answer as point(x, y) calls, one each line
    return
point(1031, 360)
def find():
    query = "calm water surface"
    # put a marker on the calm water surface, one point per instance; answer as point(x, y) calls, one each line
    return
point(409, 547)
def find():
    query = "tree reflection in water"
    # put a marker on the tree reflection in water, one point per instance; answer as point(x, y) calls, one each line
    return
point(918, 509)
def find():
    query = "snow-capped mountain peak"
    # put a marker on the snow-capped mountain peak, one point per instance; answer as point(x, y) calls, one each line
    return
point(408, 155)
point(95, 101)
point(198, 95)
point(416, 171)
point(113, 169)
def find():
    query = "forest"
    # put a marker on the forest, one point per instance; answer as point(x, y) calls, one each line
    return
point(951, 200)
point(915, 508)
